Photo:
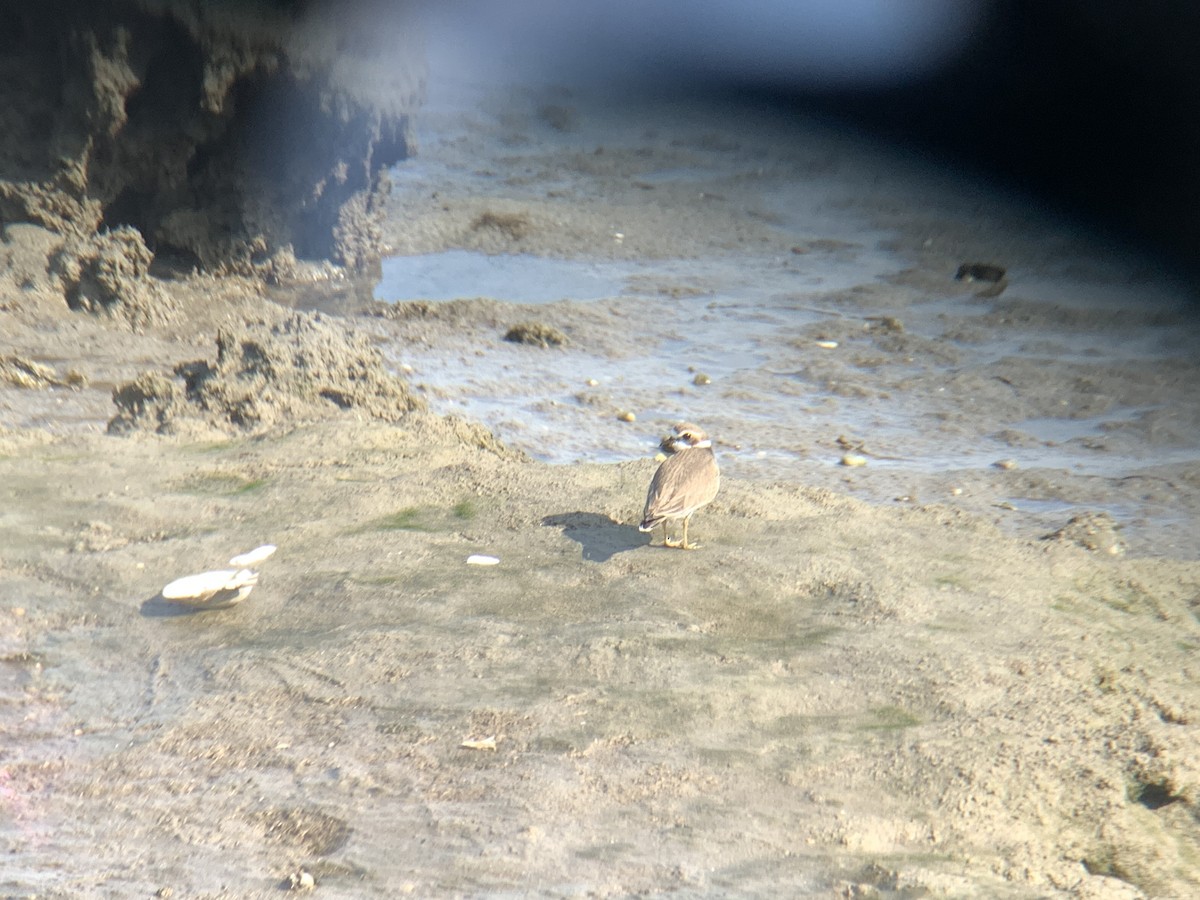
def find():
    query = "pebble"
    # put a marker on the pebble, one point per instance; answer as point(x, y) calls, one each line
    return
point(853, 460)
point(1005, 464)
point(252, 557)
point(301, 881)
point(626, 416)
point(487, 743)
point(701, 379)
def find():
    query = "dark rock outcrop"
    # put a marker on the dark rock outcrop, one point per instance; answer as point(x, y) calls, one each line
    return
point(222, 132)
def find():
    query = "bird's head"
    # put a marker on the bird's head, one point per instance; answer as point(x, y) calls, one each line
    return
point(685, 436)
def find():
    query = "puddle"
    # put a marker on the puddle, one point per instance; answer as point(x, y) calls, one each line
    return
point(1061, 431)
point(516, 278)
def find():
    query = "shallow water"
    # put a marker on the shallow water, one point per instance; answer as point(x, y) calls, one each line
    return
point(743, 333)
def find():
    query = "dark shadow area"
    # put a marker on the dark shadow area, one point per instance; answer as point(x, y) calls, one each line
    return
point(1092, 110)
point(159, 608)
point(599, 536)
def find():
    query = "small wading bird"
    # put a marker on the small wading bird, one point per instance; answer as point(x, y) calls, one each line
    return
point(686, 481)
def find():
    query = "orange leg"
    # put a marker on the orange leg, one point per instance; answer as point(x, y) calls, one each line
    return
point(667, 542)
point(684, 543)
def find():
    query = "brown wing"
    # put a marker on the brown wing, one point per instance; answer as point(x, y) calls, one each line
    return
point(683, 483)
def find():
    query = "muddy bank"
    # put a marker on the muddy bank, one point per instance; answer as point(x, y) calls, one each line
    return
point(225, 134)
point(832, 697)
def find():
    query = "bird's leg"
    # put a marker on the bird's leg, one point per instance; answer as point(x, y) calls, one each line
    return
point(667, 542)
point(684, 543)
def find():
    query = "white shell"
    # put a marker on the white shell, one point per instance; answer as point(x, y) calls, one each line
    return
point(252, 557)
point(229, 597)
point(223, 587)
point(478, 560)
point(487, 743)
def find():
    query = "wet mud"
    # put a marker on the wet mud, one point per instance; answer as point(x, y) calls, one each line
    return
point(868, 681)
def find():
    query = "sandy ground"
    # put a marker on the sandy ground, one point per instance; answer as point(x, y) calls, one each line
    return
point(837, 695)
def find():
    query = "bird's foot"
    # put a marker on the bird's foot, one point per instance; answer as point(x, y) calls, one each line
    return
point(679, 544)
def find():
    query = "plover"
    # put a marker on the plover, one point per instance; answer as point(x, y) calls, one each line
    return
point(686, 481)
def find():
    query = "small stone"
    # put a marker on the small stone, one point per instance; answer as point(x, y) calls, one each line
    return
point(1005, 464)
point(992, 277)
point(701, 379)
point(626, 416)
point(853, 460)
point(592, 382)
point(301, 881)
point(537, 334)
point(979, 272)
point(1094, 531)
point(885, 323)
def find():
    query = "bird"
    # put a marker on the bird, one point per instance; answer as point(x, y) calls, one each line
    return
point(687, 480)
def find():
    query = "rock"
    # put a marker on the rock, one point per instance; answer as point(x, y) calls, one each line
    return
point(150, 402)
point(536, 333)
point(979, 272)
point(302, 368)
point(25, 373)
point(301, 880)
point(512, 226)
point(1094, 531)
point(109, 274)
point(993, 278)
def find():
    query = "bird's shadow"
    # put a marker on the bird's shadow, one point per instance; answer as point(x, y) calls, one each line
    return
point(157, 607)
point(600, 537)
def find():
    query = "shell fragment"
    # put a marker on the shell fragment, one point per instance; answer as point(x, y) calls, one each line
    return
point(480, 560)
point(212, 590)
point(252, 557)
point(487, 743)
